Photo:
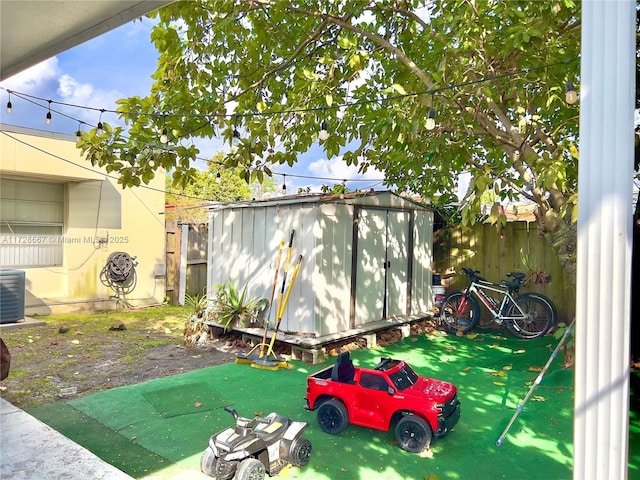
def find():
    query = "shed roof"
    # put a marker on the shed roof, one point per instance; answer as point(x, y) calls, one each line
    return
point(355, 198)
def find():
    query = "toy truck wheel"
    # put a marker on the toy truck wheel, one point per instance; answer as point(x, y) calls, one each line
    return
point(250, 469)
point(413, 434)
point(333, 417)
point(208, 462)
point(300, 452)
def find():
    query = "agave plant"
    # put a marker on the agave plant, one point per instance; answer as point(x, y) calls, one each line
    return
point(234, 305)
point(198, 303)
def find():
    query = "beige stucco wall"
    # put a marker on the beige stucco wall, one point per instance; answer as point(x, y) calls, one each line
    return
point(96, 207)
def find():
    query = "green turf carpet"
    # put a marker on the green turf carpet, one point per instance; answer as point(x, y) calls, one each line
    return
point(184, 399)
point(493, 373)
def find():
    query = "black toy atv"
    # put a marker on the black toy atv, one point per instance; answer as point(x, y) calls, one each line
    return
point(255, 446)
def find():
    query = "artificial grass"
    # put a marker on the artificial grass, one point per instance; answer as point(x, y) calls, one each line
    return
point(184, 399)
point(492, 372)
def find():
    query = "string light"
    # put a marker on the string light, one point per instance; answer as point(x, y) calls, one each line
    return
point(164, 138)
point(47, 119)
point(572, 95)
point(9, 106)
point(99, 129)
point(218, 177)
point(79, 132)
point(324, 134)
point(284, 184)
point(430, 124)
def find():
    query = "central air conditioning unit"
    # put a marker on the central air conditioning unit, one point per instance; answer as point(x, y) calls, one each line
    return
point(11, 296)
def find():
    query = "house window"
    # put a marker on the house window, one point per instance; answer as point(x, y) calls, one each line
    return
point(31, 223)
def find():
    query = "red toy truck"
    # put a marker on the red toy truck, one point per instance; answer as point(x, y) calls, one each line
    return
point(389, 394)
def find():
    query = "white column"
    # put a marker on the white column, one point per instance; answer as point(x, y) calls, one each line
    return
point(604, 240)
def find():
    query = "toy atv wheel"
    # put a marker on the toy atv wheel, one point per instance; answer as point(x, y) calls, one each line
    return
point(333, 417)
point(413, 434)
point(300, 452)
point(208, 462)
point(250, 469)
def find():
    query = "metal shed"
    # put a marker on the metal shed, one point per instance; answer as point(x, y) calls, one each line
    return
point(365, 256)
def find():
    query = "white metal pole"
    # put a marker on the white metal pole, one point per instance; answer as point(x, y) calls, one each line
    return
point(604, 240)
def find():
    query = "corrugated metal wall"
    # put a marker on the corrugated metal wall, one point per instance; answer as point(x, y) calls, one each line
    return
point(243, 247)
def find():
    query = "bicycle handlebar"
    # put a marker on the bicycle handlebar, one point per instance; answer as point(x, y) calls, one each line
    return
point(518, 278)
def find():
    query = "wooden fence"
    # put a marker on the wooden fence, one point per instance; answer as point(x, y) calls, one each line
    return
point(483, 248)
point(186, 260)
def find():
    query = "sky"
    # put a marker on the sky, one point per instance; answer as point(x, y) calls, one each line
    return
point(119, 64)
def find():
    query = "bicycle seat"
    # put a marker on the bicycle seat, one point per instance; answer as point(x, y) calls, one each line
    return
point(517, 276)
point(516, 283)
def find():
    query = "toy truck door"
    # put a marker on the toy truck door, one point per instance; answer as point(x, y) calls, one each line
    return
point(372, 401)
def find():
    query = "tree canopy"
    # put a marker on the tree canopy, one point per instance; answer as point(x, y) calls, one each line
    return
point(491, 74)
point(214, 184)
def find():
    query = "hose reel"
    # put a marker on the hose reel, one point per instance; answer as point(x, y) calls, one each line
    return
point(119, 273)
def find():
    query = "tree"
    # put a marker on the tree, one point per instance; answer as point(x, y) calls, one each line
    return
point(216, 184)
point(491, 74)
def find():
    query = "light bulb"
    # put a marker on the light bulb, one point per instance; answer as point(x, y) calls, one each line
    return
point(284, 189)
point(164, 138)
point(324, 134)
point(99, 130)
point(430, 124)
point(152, 161)
point(47, 119)
point(218, 177)
point(572, 95)
point(9, 107)
point(78, 134)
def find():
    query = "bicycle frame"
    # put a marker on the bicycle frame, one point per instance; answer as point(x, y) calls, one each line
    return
point(478, 288)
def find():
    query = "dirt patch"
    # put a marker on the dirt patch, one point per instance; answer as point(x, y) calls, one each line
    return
point(98, 352)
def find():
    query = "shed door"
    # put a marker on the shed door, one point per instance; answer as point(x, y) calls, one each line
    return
point(382, 265)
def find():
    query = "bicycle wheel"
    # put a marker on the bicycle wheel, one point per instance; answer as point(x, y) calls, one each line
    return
point(547, 300)
point(457, 318)
point(537, 319)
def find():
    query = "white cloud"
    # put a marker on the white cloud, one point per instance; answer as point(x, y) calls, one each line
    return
point(337, 169)
point(85, 94)
point(34, 79)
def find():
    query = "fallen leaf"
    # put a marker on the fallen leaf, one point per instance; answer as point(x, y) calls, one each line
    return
point(538, 398)
point(426, 453)
point(499, 374)
point(75, 342)
point(466, 370)
point(167, 331)
point(433, 476)
point(507, 367)
point(522, 350)
point(535, 369)
point(471, 336)
point(414, 339)
point(500, 384)
point(197, 404)
point(450, 347)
